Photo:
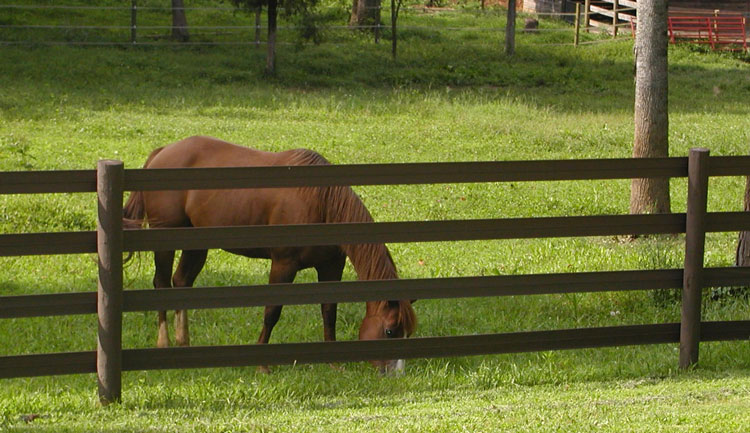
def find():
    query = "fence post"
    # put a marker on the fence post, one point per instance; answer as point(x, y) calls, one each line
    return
point(615, 7)
point(377, 25)
point(586, 18)
point(510, 29)
point(258, 11)
point(394, 34)
point(109, 188)
point(577, 24)
point(133, 18)
point(695, 237)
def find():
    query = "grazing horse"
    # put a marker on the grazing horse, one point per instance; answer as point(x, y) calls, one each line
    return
point(201, 208)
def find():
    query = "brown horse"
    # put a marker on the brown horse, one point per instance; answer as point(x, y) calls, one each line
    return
point(200, 208)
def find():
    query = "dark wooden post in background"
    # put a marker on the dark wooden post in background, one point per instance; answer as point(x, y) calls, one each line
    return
point(695, 239)
point(133, 21)
point(394, 29)
point(615, 17)
point(510, 29)
point(586, 15)
point(577, 24)
point(272, 29)
point(109, 188)
point(258, 11)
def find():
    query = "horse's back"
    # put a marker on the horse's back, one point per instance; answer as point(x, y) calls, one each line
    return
point(227, 207)
point(201, 151)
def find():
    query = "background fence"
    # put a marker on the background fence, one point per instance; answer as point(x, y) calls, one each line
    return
point(149, 24)
point(110, 180)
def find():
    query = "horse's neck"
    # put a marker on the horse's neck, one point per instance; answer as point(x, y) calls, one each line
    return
point(370, 261)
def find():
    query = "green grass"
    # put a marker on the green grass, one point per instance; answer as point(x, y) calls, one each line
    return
point(448, 97)
point(482, 399)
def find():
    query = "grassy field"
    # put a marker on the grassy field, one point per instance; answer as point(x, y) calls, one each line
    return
point(447, 98)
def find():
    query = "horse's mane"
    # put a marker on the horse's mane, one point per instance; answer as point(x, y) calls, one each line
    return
point(340, 204)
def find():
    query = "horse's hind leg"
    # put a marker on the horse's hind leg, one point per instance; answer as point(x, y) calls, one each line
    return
point(163, 261)
point(191, 263)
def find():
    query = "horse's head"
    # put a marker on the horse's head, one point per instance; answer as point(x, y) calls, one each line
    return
point(388, 319)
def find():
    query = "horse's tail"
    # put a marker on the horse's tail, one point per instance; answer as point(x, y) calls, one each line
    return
point(134, 211)
point(133, 215)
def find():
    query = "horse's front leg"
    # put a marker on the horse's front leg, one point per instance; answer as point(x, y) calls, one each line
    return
point(331, 271)
point(328, 311)
point(281, 272)
point(329, 326)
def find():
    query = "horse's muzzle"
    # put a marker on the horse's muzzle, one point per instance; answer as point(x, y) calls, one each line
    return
point(392, 368)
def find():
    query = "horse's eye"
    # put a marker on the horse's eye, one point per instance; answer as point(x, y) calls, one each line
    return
point(389, 332)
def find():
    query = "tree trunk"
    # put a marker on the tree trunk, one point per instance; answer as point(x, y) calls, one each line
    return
point(365, 13)
point(651, 113)
point(271, 57)
point(179, 22)
point(743, 245)
point(741, 258)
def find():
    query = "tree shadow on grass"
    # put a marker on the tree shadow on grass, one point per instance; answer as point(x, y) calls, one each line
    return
point(590, 79)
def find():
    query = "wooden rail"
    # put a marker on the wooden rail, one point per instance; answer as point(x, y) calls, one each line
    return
point(34, 182)
point(349, 351)
point(61, 304)
point(110, 180)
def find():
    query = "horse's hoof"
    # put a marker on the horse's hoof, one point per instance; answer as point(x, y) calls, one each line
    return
point(262, 369)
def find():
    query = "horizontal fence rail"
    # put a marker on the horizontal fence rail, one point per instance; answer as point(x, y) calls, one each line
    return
point(351, 351)
point(727, 221)
point(47, 243)
point(346, 291)
point(60, 304)
point(32, 182)
point(23, 182)
point(426, 347)
point(392, 232)
point(110, 359)
point(357, 233)
point(404, 173)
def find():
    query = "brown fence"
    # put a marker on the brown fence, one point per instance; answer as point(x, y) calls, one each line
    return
point(110, 180)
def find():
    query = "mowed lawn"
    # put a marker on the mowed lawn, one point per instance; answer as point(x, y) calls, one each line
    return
point(442, 100)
